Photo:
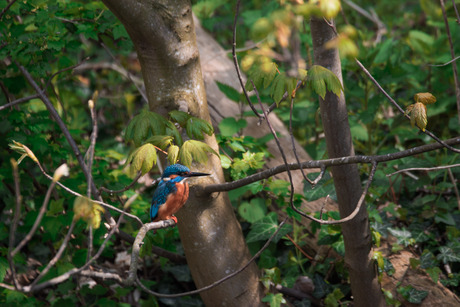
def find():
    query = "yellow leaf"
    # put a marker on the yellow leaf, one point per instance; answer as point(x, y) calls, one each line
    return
point(425, 98)
point(329, 8)
point(418, 115)
point(87, 210)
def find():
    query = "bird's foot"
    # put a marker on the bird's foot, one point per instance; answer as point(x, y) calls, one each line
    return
point(174, 219)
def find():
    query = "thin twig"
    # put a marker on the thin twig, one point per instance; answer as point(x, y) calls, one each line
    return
point(427, 169)
point(293, 144)
point(219, 281)
point(454, 183)
point(6, 8)
point(95, 201)
point(14, 225)
point(63, 70)
point(18, 101)
point(57, 256)
point(235, 62)
point(67, 275)
point(228, 186)
point(38, 219)
point(129, 186)
point(426, 131)
point(445, 64)
point(452, 54)
point(456, 12)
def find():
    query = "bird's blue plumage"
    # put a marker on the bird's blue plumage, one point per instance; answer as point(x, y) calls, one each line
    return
point(166, 187)
point(172, 192)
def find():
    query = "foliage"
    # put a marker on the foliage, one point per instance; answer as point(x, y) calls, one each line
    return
point(48, 37)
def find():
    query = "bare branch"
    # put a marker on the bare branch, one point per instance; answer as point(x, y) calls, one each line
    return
point(427, 169)
point(129, 186)
point(445, 64)
point(68, 274)
point(57, 256)
point(456, 12)
point(452, 54)
point(6, 8)
point(14, 225)
point(41, 213)
point(322, 163)
point(235, 62)
point(219, 281)
point(96, 201)
point(427, 132)
point(18, 101)
point(453, 180)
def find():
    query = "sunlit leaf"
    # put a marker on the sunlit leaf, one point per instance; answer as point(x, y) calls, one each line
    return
point(173, 154)
point(254, 210)
point(425, 98)
point(274, 300)
point(143, 158)
point(418, 115)
point(161, 141)
point(321, 79)
point(196, 151)
point(329, 8)
point(88, 210)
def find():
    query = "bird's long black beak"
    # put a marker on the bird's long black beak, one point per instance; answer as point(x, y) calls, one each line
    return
point(195, 174)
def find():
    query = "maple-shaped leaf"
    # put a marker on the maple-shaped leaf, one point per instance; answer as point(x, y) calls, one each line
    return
point(173, 154)
point(179, 117)
point(161, 141)
point(144, 125)
point(195, 128)
point(425, 98)
point(143, 158)
point(321, 80)
point(417, 113)
point(196, 151)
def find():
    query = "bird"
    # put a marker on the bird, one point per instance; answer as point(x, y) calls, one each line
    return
point(171, 193)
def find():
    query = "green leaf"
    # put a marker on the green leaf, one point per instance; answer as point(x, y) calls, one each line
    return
point(404, 236)
point(56, 207)
point(173, 154)
point(434, 273)
point(144, 125)
point(3, 267)
point(229, 91)
point(195, 128)
point(229, 126)
point(143, 158)
point(254, 210)
point(412, 295)
point(385, 51)
point(264, 228)
point(225, 161)
point(321, 79)
point(179, 117)
point(161, 141)
point(333, 299)
point(448, 254)
point(194, 150)
point(275, 300)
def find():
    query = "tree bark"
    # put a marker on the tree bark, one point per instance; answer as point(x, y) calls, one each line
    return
point(356, 233)
point(164, 37)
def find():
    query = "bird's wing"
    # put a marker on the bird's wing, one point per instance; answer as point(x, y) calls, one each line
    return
point(159, 197)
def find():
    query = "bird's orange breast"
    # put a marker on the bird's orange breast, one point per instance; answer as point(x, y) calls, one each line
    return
point(174, 202)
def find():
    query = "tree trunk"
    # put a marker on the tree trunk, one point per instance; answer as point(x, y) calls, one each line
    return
point(164, 37)
point(356, 233)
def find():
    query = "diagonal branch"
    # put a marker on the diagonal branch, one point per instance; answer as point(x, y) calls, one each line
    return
point(427, 132)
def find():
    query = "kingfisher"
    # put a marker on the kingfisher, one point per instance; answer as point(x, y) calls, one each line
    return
point(172, 192)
